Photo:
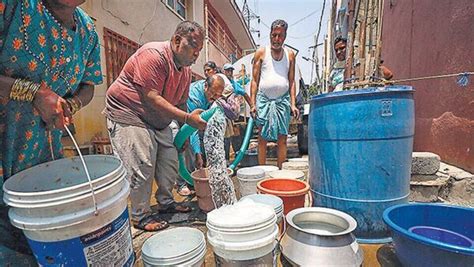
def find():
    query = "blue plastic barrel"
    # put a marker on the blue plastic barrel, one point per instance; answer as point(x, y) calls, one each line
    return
point(360, 147)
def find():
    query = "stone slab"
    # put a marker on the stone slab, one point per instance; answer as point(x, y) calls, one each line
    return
point(419, 193)
point(425, 163)
point(455, 172)
point(458, 192)
point(428, 177)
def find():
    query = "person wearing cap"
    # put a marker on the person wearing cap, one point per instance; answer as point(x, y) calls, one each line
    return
point(273, 92)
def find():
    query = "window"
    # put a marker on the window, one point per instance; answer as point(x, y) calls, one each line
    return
point(179, 6)
point(118, 49)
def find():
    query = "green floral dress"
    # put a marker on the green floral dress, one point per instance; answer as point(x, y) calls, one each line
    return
point(36, 47)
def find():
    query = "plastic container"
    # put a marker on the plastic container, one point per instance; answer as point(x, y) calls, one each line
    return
point(267, 169)
point(273, 201)
point(203, 190)
point(248, 179)
point(320, 237)
point(291, 191)
point(432, 234)
point(298, 175)
point(182, 246)
point(306, 159)
point(361, 143)
point(243, 234)
point(297, 166)
point(52, 203)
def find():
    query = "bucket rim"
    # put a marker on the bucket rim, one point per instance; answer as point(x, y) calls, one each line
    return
point(45, 223)
point(186, 255)
point(64, 189)
point(239, 230)
point(298, 192)
point(258, 173)
point(204, 179)
point(365, 91)
point(46, 204)
point(348, 218)
point(419, 238)
point(246, 245)
point(276, 205)
point(298, 173)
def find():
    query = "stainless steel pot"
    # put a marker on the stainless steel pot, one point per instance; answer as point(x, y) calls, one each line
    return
point(320, 237)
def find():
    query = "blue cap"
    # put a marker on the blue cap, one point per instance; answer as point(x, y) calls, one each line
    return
point(228, 66)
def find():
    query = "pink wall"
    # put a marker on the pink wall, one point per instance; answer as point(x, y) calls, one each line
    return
point(431, 37)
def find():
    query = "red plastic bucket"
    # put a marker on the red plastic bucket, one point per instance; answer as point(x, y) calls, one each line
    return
point(291, 191)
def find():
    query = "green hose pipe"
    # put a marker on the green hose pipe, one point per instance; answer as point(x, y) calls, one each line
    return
point(184, 133)
point(245, 145)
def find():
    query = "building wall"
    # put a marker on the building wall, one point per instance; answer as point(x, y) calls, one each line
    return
point(141, 21)
point(424, 38)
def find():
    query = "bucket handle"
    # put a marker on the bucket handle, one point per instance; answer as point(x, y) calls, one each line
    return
point(96, 211)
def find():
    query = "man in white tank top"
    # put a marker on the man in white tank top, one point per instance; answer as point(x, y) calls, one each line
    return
point(273, 92)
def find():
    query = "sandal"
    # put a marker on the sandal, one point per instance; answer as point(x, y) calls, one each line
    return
point(175, 208)
point(146, 224)
point(184, 190)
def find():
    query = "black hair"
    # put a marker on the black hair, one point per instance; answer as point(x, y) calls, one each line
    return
point(185, 28)
point(279, 23)
point(210, 64)
point(339, 39)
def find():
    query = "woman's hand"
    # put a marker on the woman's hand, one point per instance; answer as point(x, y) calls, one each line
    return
point(52, 108)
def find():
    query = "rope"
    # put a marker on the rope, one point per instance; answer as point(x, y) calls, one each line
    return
point(463, 80)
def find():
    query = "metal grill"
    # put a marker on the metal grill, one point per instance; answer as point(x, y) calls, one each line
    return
point(118, 49)
point(220, 35)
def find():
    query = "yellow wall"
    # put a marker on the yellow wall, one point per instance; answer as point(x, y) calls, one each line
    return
point(141, 21)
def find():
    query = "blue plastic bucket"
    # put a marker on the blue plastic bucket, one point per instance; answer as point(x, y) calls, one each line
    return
point(53, 204)
point(361, 142)
point(432, 234)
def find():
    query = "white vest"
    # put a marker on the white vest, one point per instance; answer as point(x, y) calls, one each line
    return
point(274, 75)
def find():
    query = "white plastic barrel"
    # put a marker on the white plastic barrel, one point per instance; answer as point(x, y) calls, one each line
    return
point(182, 246)
point(298, 175)
point(248, 180)
point(243, 234)
point(52, 203)
point(297, 166)
point(267, 169)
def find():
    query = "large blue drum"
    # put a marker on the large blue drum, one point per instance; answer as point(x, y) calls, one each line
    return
point(360, 146)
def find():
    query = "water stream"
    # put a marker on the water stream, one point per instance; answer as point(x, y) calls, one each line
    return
point(222, 188)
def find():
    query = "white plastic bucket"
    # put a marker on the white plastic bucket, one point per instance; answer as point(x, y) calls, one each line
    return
point(182, 246)
point(243, 232)
point(273, 201)
point(289, 174)
point(248, 180)
point(52, 203)
point(297, 166)
point(267, 169)
point(299, 159)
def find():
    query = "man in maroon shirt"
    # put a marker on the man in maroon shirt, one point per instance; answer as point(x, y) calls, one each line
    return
point(149, 93)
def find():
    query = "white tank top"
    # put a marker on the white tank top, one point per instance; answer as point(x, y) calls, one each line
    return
point(274, 75)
